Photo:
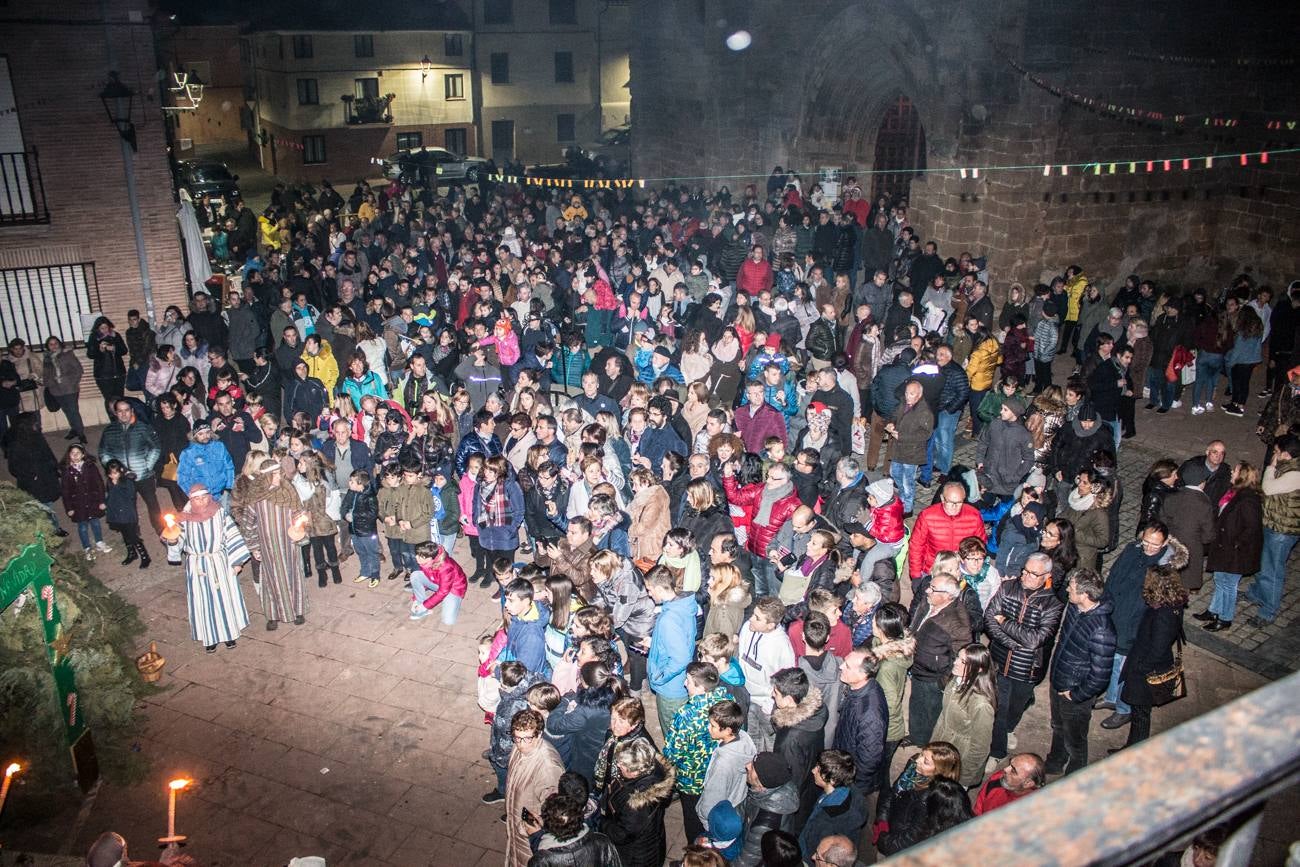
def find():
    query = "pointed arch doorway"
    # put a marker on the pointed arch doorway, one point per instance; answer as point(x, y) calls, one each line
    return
point(900, 150)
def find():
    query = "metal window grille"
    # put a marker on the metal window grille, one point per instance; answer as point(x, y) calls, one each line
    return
point(22, 192)
point(36, 303)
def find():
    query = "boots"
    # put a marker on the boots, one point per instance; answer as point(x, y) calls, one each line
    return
point(131, 554)
point(145, 559)
point(334, 568)
point(321, 577)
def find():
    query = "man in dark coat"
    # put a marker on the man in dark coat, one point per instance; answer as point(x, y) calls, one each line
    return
point(1189, 514)
point(1021, 620)
point(863, 719)
point(1080, 671)
point(799, 719)
point(942, 628)
point(1212, 471)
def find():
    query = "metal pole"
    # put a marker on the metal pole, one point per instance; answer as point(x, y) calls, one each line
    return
point(128, 165)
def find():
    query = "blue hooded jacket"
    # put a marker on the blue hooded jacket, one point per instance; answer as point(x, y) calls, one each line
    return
point(208, 465)
point(672, 646)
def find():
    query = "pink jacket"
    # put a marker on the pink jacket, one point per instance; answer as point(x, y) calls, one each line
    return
point(449, 577)
point(465, 497)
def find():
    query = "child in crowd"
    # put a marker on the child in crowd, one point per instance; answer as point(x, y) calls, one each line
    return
point(439, 580)
point(83, 498)
point(321, 529)
point(122, 515)
point(360, 508)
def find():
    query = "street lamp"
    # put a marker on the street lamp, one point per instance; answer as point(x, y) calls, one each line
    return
point(425, 65)
point(118, 100)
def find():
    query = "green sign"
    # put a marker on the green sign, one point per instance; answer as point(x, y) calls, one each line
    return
point(31, 569)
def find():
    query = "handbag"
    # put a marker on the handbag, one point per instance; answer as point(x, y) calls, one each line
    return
point(168, 471)
point(50, 402)
point(1169, 685)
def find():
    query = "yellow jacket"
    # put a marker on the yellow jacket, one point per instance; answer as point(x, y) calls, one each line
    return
point(983, 364)
point(270, 233)
point(324, 367)
point(1074, 294)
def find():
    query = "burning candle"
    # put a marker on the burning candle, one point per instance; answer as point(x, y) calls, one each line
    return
point(172, 788)
point(172, 531)
point(13, 768)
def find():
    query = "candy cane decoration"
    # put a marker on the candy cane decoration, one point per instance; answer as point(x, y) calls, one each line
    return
point(72, 708)
point(47, 594)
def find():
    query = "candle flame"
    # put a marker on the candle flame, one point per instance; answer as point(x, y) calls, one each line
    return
point(170, 520)
point(13, 769)
point(177, 785)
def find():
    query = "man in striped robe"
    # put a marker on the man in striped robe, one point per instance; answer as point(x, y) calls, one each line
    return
point(214, 552)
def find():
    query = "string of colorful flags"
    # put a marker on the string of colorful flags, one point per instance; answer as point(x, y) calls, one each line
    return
point(1142, 114)
point(574, 183)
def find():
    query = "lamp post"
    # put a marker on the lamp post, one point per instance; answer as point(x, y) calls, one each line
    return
point(173, 788)
point(425, 65)
point(118, 101)
point(13, 768)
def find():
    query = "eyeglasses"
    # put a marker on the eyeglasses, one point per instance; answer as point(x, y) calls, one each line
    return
point(1036, 574)
point(954, 502)
point(524, 739)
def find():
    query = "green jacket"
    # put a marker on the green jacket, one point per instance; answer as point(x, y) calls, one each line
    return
point(688, 746)
point(895, 659)
point(1282, 498)
point(411, 503)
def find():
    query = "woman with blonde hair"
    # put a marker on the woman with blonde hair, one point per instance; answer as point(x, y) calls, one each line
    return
point(1237, 547)
point(614, 441)
point(728, 597)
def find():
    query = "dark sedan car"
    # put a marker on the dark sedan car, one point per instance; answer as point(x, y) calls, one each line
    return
point(207, 177)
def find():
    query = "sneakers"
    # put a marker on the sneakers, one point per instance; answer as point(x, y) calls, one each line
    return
point(1198, 410)
point(493, 797)
point(419, 612)
point(361, 579)
point(103, 548)
point(1178, 404)
point(90, 555)
point(1209, 406)
point(1233, 410)
point(1011, 740)
point(1266, 392)
point(372, 583)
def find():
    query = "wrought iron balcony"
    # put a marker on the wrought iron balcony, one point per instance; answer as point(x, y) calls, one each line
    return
point(22, 192)
point(368, 109)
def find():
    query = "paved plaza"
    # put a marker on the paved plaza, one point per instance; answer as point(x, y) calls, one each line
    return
point(356, 736)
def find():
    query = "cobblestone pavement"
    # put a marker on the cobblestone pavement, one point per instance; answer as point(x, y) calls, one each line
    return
point(356, 736)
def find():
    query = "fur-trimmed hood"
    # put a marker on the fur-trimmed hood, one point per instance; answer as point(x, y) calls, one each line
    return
point(1175, 555)
point(788, 717)
point(662, 790)
point(902, 648)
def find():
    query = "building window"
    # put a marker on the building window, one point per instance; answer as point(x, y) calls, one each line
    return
point(279, 43)
point(501, 68)
point(308, 92)
point(366, 88)
point(313, 149)
point(302, 48)
point(498, 11)
point(363, 45)
point(564, 67)
point(38, 302)
point(245, 51)
point(454, 85)
point(454, 140)
point(453, 45)
point(503, 140)
point(564, 12)
point(408, 140)
point(565, 127)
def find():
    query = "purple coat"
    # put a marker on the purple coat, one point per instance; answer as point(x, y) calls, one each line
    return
point(83, 491)
point(754, 430)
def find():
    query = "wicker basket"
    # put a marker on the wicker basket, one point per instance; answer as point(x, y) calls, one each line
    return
point(151, 664)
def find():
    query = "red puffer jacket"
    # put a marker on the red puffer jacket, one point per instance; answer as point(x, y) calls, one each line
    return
point(934, 531)
point(761, 536)
point(887, 522)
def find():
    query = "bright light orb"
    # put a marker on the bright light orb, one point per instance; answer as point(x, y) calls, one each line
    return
point(739, 40)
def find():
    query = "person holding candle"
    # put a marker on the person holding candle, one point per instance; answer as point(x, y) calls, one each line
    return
point(214, 553)
point(267, 511)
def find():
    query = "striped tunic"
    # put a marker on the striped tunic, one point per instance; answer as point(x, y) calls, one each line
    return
point(266, 529)
point(212, 549)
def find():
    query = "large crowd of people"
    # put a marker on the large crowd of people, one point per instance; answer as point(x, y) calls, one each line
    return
point(701, 448)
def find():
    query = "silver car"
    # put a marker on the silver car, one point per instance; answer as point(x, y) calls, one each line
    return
point(431, 166)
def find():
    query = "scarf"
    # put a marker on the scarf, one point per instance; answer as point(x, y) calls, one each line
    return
point(495, 505)
point(687, 567)
point(725, 355)
point(809, 565)
point(1079, 502)
point(975, 579)
point(769, 499)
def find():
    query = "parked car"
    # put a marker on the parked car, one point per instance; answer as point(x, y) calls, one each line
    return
point(207, 177)
point(431, 166)
point(612, 152)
